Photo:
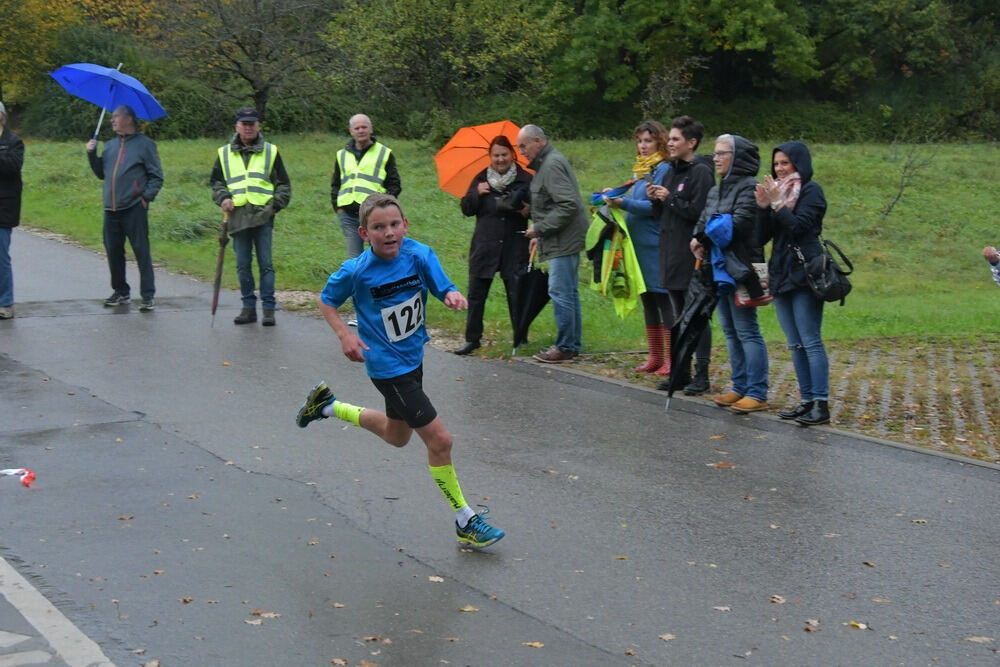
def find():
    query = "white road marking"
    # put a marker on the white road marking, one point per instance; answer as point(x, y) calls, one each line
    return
point(74, 647)
point(24, 659)
point(8, 639)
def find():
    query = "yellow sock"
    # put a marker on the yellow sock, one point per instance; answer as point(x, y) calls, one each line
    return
point(447, 481)
point(347, 412)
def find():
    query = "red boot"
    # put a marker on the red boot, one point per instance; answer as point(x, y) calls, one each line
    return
point(654, 340)
point(664, 368)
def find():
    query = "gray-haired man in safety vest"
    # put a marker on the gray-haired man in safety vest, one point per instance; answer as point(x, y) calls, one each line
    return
point(363, 166)
point(249, 182)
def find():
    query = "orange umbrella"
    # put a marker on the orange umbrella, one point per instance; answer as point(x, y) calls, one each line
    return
point(466, 154)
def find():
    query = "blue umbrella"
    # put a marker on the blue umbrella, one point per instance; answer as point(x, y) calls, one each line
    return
point(108, 88)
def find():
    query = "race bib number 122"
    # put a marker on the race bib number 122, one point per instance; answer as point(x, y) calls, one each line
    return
point(402, 320)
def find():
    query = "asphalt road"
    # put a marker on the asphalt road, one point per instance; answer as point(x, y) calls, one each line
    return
point(180, 515)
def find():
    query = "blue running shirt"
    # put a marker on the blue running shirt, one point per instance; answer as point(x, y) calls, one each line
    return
point(390, 297)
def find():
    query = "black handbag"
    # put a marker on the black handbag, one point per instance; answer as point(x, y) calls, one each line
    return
point(823, 274)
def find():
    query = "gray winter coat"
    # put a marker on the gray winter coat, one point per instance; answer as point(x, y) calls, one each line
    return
point(557, 211)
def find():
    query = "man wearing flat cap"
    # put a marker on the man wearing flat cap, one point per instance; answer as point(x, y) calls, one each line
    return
point(249, 182)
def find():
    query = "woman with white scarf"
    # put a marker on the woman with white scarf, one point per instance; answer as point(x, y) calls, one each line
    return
point(791, 207)
point(499, 197)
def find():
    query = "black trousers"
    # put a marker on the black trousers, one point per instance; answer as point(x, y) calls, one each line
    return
point(479, 289)
point(133, 224)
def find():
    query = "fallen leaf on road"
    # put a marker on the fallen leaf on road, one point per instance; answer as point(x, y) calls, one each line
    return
point(252, 621)
point(534, 644)
point(880, 600)
point(264, 614)
point(979, 640)
point(717, 436)
point(777, 599)
point(918, 520)
point(436, 579)
point(469, 608)
point(226, 363)
point(621, 557)
point(340, 662)
point(126, 517)
point(186, 600)
point(725, 465)
point(151, 663)
point(722, 608)
point(630, 651)
point(667, 637)
point(451, 639)
point(856, 625)
point(338, 605)
point(366, 663)
point(158, 571)
point(868, 563)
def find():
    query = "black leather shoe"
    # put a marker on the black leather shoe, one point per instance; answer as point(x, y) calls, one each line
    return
point(797, 411)
point(467, 348)
point(246, 316)
point(819, 413)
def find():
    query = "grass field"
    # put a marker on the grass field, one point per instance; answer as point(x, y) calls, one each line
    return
point(920, 279)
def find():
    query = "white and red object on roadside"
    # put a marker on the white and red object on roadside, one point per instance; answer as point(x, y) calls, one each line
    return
point(27, 477)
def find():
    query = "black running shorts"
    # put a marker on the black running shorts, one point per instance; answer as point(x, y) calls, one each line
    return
point(405, 399)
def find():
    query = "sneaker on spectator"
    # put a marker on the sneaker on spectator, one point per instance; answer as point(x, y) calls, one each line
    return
point(117, 298)
point(147, 305)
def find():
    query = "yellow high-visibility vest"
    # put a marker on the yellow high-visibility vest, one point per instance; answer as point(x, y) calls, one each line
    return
point(360, 179)
point(249, 183)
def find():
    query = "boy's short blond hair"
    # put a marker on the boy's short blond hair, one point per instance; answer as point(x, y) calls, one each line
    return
point(377, 200)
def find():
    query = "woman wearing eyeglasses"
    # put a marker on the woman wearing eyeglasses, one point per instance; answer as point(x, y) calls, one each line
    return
point(728, 225)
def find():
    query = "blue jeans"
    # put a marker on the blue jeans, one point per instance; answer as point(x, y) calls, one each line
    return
point(349, 225)
point(747, 351)
point(6, 271)
point(800, 315)
point(244, 242)
point(564, 282)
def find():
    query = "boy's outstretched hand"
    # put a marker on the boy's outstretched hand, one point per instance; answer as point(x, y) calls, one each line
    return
point(455, 300)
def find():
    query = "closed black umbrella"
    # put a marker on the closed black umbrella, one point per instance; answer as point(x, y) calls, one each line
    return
point(532, 293)
point(699, 302)
point(223, 240)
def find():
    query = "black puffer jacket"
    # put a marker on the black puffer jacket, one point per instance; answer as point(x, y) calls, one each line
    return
point(498, 244)
point(735, 195)
point(11, 160)
point(800, 225)
point(688, 183)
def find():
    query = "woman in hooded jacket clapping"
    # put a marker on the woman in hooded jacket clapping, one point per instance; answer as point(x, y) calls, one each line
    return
point(790, 213)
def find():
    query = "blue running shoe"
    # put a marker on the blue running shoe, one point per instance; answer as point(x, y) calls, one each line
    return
point(312, 409)
point(477, 533)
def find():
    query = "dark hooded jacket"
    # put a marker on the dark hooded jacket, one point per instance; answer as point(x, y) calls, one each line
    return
point(799, 226)
point(498, 244)
point(11, 161)
point(735, 195)
point(688, 183)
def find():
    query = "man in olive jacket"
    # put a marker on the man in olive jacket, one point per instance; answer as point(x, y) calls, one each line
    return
point(559, 228)
point(249, 182)
point(130, 169)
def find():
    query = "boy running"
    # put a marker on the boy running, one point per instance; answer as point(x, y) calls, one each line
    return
point(389, 286)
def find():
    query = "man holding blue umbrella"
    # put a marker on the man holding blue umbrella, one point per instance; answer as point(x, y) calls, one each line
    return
point(130, 169)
